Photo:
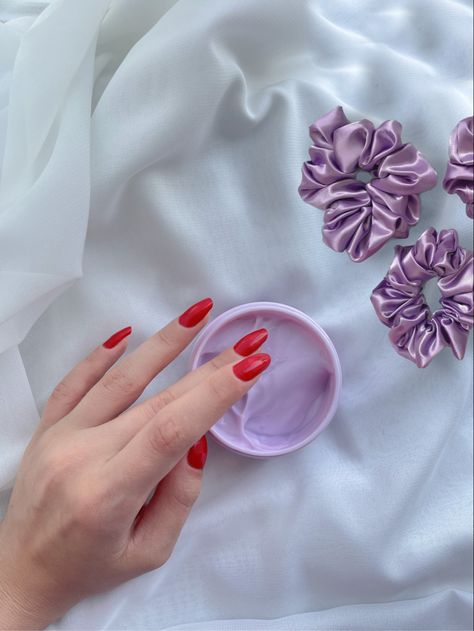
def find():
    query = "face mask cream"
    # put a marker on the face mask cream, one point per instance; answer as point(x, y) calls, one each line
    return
point(296, 397)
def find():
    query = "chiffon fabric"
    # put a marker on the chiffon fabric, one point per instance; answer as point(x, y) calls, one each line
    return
point(151, 156)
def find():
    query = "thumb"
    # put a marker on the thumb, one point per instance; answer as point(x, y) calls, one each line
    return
point(160, 521)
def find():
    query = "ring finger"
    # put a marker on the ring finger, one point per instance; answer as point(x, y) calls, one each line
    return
point(131, 421)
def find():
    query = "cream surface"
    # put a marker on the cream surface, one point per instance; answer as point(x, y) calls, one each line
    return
point(291, 398)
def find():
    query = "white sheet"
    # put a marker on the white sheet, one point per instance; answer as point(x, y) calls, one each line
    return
point(191, 162)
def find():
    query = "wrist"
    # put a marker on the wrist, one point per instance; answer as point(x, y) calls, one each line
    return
point(23, 606)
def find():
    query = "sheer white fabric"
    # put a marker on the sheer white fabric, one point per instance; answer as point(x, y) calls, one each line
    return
point(185, 178)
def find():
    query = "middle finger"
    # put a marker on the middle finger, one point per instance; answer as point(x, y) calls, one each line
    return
point(131, 421)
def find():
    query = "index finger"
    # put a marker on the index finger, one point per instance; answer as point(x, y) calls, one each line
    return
point(131, 421)
point(157, 447)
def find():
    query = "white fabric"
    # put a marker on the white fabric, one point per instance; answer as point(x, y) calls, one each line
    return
point(191, 162)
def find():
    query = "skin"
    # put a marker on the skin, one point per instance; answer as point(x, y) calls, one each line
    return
point(78, 521)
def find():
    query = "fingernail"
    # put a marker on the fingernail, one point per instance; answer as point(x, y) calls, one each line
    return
point(250, 367)
point(117, 337)
point(197, 455)
point(251, 342)
point(196, 313)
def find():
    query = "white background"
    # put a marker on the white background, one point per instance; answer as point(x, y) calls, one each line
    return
point(185, 177)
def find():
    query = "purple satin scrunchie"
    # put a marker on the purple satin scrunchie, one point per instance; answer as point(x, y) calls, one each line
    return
point(399, 302)
point(459, 176)
point(360, 217)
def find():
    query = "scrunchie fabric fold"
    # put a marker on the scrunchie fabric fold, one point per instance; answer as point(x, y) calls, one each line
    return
point(360, 217)
point(399, 302)
point(459, 177)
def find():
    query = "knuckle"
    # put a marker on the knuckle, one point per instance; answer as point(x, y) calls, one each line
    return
point(165, 339)
point(216, 362)
point(218, 390)
point(166, 397)
point(54, 474)
point(160, 401)
point(63, 393)
point(166, 435)
point(118, 381)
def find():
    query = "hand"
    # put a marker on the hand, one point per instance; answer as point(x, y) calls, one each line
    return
point(79, 520)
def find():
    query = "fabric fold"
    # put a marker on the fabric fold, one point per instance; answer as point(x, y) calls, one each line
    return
point(47, 147)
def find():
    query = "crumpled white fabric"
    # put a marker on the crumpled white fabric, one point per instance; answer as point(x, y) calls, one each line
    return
point(185, 177)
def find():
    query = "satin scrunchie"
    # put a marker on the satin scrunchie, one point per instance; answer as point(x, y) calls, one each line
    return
point(361, 216)
point(399, 302)
point(459, 176)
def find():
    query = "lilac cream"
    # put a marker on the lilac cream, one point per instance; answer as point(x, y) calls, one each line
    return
point(296, 397)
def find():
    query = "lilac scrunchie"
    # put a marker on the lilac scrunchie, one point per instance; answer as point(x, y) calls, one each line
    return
point(360, 217)
point(459, 176)
point(399, 302)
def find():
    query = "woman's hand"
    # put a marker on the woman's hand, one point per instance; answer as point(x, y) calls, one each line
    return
point(79, 521)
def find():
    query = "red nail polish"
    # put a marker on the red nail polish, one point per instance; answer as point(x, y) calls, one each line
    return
point(197, 455)
point(196, 313)
point(117, 337)
point(251, 342)
point(250, 367)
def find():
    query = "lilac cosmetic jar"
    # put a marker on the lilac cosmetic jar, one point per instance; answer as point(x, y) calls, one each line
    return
point(294, 399)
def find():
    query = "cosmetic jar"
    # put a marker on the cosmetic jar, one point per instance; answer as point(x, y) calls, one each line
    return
point(294, 399)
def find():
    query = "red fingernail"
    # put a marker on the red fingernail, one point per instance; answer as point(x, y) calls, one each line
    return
point(251, 342)
point(117, 337)
point(197, 455)
point(250, 367)
point(196, 313)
